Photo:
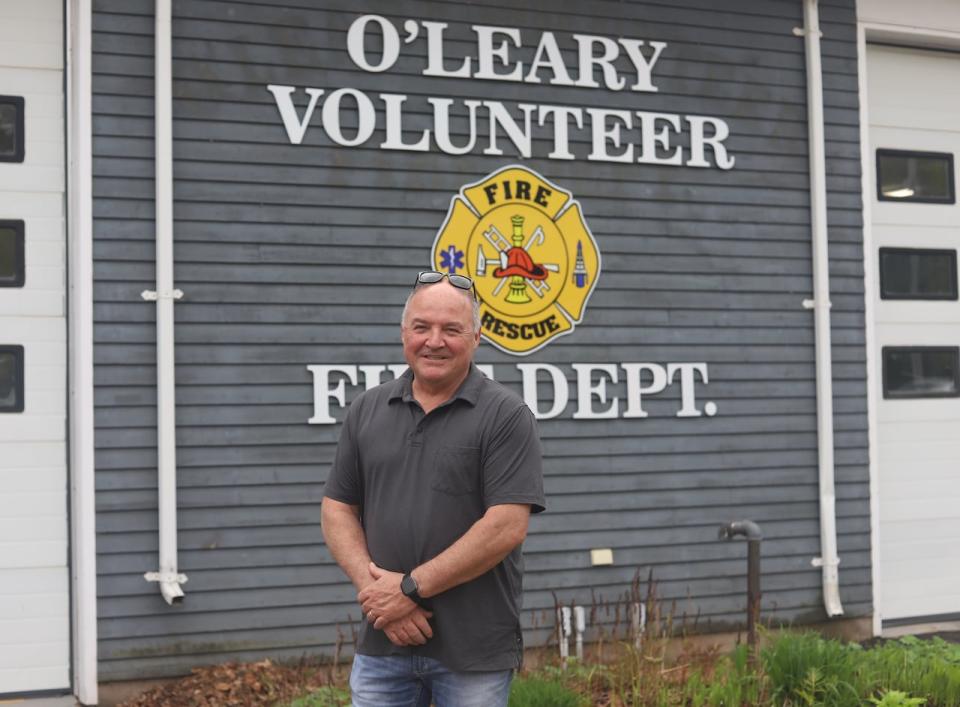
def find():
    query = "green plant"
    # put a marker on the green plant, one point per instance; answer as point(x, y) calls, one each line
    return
point(328, 696)
point(542, 692)
point(807, 669)
point(897, 698)
point(928, 668)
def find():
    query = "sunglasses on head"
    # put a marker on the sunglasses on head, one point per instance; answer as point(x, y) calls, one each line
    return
point(429, 277)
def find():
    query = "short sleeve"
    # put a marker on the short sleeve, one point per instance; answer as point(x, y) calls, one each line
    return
point(344, 483)
point(513, 462)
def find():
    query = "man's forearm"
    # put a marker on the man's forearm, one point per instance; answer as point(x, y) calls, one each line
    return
point(346, 540)
point(479, 550)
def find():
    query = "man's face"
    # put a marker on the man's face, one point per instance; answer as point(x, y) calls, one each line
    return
point(437, 334)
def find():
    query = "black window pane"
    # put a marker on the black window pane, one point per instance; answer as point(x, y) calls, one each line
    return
point(915, 176)
point(8, 129)
point(915, 273)
point(11, 129)
point(11, 379)
point(11, 254)
point(921, 372)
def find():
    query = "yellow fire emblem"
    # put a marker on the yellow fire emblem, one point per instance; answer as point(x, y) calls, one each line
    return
point(532, 257)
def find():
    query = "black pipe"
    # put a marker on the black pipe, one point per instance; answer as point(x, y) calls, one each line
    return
point(751, 531)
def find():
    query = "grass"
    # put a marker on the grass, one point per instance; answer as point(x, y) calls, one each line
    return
point(793, 670)
point(534, 691)
point(328, 696)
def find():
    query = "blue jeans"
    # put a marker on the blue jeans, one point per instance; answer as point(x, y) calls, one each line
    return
point(413, 681)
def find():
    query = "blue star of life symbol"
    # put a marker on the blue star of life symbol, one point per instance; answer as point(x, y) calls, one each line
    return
point(451, 259)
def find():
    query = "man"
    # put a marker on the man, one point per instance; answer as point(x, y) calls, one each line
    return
point(425, 509)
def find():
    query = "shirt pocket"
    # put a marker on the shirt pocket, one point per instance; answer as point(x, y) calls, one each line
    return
point(456, 470)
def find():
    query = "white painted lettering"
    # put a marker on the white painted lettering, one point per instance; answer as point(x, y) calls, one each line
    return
point(698, 140)
point(441, 125)
point(602, 134)
point(487, 52)
point(642, 381)
point(323, 393)
point(651, 138)
point(435, 61)
point(554, 61)
point(636, 391)
point(366, 117)
point(561, 392)
point(370, 375)
point(587, 390)
point(355, 41)
point(688, 402)
point(295, 127)
point(520, 137)
point(561, 136)
point(394, 126)
point(588, 61)
point(643, 66)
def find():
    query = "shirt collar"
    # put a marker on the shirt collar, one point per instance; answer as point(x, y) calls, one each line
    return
point(468, 391)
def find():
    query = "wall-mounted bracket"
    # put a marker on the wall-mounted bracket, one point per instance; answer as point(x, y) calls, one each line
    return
point(152, 296)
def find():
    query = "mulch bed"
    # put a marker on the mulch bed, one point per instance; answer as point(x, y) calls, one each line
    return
point(235, 685)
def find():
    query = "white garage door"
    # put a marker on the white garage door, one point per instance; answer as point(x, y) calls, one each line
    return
point(914, 114)
point(34, 594)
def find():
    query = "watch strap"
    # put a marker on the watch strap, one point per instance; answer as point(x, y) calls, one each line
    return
point(410, 589)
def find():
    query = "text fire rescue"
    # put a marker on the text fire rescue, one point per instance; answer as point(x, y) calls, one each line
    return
point(593, 400)
point(611, 134)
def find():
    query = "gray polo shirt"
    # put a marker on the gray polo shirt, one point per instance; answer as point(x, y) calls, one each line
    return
point(421, 481)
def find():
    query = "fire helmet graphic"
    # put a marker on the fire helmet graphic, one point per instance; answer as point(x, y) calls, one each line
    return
point(532, 257)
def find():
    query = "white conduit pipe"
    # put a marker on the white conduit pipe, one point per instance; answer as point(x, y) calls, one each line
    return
point(828, 559)
point(83, 510)
point(168, 576)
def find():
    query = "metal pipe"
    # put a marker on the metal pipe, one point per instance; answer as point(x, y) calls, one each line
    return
point(79, 86)
point(828, 559)
point(751, 531)
point(563, 631)
point(580, 624)
point(168, 576)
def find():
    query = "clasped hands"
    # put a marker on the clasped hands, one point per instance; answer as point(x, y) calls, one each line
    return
point(387, 608)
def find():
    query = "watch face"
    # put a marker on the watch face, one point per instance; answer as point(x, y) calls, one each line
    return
point(408, 585)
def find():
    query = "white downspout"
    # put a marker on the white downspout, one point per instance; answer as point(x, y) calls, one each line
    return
point(828, 559)
point(83, 512)
point(168, 576)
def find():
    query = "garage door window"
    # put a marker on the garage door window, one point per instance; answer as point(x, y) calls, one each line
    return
point(915, 176)
point(918, 273)
point(11, 129)
point(11, 379)
point(921, 372)
point(11, 254)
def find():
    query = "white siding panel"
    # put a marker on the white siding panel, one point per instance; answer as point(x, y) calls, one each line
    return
point(34, 596)
point(26, 606)
point(43, 303)
point(936, 15)
point(22, 477)
point(29, 504)
point(54, 676)
point(918, 445)
point(24, 205)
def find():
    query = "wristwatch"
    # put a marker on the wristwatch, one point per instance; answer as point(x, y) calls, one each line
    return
point(411, 590)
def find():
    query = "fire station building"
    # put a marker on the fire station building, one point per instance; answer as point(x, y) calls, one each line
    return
point(715, 246)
